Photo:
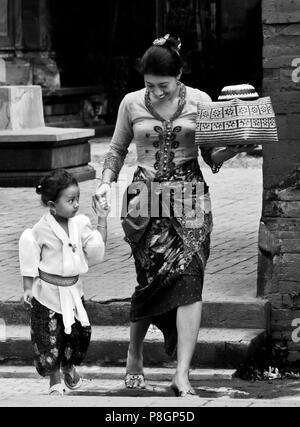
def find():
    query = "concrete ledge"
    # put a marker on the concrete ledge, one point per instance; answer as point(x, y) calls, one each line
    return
point(244, 314)
point(28, 155)
point(216, 348)
point(41, 134)
point(31, 178)
point(253, 314)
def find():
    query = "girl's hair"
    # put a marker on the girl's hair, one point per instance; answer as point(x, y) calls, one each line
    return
point(52, 185)
point(162, 58)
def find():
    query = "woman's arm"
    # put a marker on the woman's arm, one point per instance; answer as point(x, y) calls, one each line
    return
point(108, 176)
point(118, 149)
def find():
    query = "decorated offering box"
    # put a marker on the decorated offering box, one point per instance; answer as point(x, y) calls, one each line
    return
point(243, 91)
point(241, 117)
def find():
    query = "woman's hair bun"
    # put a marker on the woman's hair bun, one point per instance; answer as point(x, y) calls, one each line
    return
point(172, 43)
point(163, 57)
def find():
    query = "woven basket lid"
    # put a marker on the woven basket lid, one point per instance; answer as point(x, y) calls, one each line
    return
point(242, 91)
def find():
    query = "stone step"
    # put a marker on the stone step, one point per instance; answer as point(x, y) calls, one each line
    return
point(118, 373)
point(216, 347)
point(250, 313)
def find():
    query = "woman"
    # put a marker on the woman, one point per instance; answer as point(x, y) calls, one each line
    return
point(170, 251)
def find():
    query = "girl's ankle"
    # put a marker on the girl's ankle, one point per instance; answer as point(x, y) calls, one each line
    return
point(55, 379)
point(68, 368)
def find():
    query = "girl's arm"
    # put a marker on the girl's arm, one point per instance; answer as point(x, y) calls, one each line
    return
point(102, 228)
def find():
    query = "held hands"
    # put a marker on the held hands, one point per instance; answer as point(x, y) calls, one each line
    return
point(102, 200)
point(100, 206)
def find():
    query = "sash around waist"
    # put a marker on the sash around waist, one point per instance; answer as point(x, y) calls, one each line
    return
point(53, 279)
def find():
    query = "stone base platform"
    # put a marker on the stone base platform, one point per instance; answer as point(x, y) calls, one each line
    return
point(31, 178)
point(28, 154)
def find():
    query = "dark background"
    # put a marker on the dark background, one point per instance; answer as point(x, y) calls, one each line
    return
point(99, 42)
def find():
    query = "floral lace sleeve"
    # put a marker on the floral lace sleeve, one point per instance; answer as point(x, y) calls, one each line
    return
point(123, 135)
point(206, 153)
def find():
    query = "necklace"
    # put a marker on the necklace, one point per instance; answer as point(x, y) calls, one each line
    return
point(180, 107)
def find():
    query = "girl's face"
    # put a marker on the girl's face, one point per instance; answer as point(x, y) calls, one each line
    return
point(68, 203)
point(162, 88)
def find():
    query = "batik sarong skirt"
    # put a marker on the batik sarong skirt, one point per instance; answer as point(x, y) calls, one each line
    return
point(167, 222)
point(52, 347)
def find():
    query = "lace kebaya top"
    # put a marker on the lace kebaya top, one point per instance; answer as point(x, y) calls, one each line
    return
point(161, 144)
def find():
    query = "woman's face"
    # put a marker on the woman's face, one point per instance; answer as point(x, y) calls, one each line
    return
point(161, 87)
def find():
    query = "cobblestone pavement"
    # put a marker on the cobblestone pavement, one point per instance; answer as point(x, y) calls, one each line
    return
point(236, 194)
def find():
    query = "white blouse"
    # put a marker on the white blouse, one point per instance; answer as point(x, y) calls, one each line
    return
point(48, 247)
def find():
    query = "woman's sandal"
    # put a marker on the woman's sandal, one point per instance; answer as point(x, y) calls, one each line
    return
point(72, 382)
point(181, 393)
point(134, 381)
point(56, 390)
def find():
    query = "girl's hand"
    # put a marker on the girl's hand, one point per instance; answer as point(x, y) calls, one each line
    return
point(27, 298)
point(100, 206)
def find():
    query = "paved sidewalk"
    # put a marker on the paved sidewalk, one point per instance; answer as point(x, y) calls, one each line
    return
point(236, 194)
point(106, 389)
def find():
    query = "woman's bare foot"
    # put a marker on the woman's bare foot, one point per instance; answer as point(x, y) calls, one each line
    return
point(134, 364)
point(181, 383)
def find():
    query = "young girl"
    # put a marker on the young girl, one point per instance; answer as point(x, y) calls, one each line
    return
point(52, 255)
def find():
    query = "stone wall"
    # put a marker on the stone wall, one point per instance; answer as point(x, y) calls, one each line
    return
point(279, 238)
point(27, 49)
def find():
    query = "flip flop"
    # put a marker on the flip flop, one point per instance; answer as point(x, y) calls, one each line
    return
point(56, 390)
point(135, 381)
point(70, 382)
